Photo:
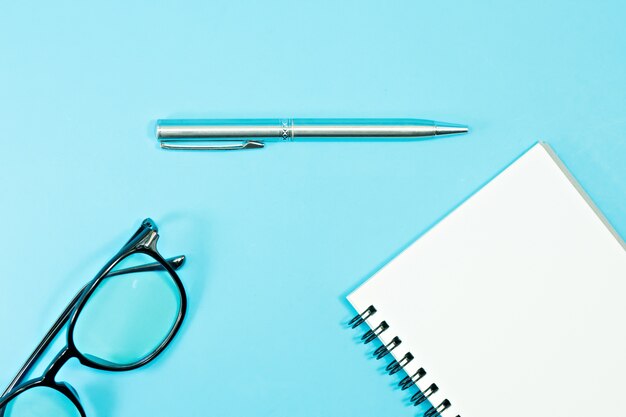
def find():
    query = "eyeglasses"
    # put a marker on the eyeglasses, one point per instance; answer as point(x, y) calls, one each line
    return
point(120, 320)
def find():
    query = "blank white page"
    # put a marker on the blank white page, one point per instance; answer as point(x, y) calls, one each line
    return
point(515, 303)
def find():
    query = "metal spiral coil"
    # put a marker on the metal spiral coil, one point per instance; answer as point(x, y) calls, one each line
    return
point(383, 350)
point(360, 318)
point(409, 381)
point(398, 365)
point(436, 411)
point(421, 396)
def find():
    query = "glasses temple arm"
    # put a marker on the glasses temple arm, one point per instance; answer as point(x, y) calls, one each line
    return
point(175, 263)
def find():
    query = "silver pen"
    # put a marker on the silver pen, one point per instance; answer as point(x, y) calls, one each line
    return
point(232, 134)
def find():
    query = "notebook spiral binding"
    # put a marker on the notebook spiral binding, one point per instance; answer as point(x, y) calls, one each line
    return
point(398, 365)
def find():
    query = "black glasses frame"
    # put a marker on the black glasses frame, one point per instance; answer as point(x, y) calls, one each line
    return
point(143, 241)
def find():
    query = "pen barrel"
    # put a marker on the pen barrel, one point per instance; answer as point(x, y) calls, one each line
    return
point(275, 130)
point(392, 128)
point(229, 129)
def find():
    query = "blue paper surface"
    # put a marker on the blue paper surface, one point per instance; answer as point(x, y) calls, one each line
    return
point(277, 237)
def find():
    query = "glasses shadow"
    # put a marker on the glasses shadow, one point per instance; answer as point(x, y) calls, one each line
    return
point(188, 233)
point(101, 397)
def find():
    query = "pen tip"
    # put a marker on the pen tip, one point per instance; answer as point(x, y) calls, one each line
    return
point(450, 129)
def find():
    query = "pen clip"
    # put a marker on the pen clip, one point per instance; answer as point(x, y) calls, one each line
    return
point(215, 146)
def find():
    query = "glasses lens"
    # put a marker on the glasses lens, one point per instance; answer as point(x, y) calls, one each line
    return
point(128, 316)
point(41, 402)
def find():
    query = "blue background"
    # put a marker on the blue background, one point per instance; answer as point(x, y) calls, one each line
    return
point(277, 237)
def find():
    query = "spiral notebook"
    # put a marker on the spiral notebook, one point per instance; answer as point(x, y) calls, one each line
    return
point(512, 305)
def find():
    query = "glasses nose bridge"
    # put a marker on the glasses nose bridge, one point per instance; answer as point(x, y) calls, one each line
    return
point(57, 363)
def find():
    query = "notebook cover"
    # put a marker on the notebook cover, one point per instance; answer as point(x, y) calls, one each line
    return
point(514, 303)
